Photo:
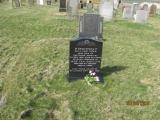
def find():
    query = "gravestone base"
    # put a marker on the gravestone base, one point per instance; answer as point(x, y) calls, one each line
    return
point(62, 10)
point(85, 55)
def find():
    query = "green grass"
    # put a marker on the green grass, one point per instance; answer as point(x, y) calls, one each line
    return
point(34, 50)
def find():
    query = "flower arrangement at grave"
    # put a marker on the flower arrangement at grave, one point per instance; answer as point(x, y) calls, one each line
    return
point(91, 77)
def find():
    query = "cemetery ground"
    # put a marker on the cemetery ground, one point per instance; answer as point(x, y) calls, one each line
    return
point(34, 51)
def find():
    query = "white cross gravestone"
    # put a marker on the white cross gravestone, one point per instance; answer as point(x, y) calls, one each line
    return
point(106, 10)
point(141, 16)
point(127, 13)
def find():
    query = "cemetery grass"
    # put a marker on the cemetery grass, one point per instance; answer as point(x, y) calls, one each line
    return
point(34, 45)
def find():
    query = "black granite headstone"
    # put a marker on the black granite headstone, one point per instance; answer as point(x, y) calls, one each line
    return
point(62, 7)
point(85, 55)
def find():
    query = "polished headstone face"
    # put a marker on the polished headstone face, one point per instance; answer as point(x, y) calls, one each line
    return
point(85, 55)
point(91, 25)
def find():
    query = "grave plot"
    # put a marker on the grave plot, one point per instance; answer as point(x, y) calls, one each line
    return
point(86, 51)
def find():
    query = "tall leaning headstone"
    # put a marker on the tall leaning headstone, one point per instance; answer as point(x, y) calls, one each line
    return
point(62, 6)
point(86, 50)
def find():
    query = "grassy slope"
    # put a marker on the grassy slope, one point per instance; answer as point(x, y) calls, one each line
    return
point(34, 62)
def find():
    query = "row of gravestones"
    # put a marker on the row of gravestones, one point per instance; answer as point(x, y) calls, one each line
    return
point(138, 12)
point(72, 6)
point(106, 8)
point(18, 3)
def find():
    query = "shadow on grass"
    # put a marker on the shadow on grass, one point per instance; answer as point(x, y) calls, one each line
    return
point(108, 70)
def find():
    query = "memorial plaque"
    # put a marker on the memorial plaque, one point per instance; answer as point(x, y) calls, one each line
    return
point(62, 7)
point(85, 55)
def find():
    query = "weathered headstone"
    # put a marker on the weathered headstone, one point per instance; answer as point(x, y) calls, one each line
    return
point(62, 7)
point(141, 16)
point(72, 7)
point(106, 10)
point(153, 9)
point(85, 55)
point(91, 25)
point(127, 13)
point(49, 2)
point(134, 8)
point(86, 51)
point(145, 7)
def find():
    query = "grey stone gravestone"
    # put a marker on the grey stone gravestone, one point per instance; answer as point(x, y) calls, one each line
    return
point(62, 7)
point(91, 25)
point(145, 7)
point(127, 13)
point(141, 16)
point(72, 7)
point(134, 8)
point(86, 51)
point(106, 10)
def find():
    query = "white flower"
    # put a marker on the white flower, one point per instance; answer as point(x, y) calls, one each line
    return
point(90, 72)
point(97, 79)
point(93, 73)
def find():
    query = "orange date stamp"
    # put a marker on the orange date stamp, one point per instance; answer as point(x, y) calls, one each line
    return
point(137, 103)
